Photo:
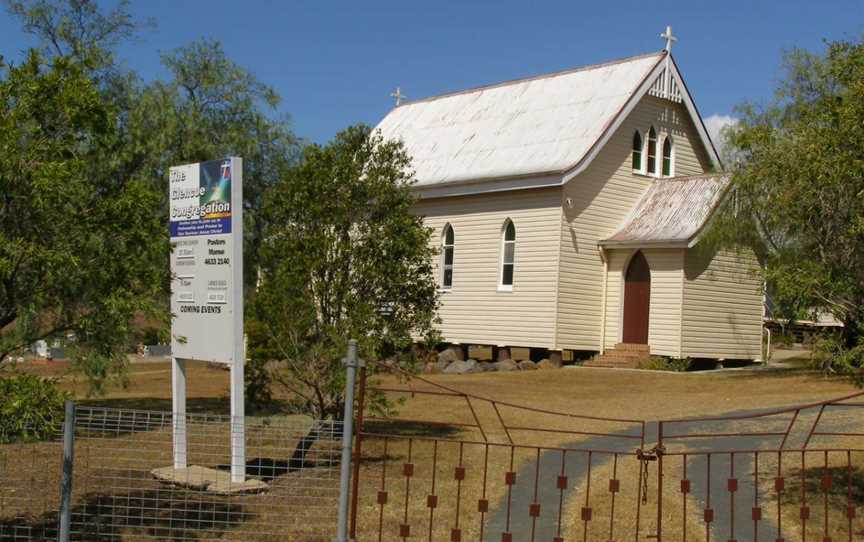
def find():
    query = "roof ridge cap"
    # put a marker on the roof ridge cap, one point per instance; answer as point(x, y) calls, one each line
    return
point(548, 75)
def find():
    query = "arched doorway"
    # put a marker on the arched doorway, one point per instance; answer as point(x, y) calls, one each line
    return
point(637, 300)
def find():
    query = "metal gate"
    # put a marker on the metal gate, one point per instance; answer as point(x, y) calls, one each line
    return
point(482, 468)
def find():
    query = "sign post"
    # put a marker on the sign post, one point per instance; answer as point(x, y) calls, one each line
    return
point(206, 226)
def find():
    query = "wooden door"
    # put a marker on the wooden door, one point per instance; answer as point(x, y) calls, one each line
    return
point(637, 300)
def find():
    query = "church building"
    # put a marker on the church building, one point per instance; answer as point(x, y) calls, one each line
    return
point(568, 210)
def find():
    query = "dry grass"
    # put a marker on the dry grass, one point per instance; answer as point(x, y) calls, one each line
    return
point(636, 394)
point(116, 498)
point(624, 394)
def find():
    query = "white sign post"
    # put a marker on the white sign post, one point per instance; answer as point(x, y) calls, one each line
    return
point(206, 224)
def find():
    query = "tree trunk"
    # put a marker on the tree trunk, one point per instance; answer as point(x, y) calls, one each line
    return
point(298, 458)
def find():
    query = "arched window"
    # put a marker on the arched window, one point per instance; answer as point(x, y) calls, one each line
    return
point(508, 255)
point(667, 157)
point(447, 244)
point(652, 152)
point(637, 151)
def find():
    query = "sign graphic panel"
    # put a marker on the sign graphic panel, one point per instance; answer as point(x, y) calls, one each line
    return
point(206, 263)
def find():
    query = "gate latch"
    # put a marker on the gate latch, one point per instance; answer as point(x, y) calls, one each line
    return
point(644, 457)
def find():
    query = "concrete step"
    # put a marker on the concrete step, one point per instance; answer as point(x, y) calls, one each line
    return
point(604, 365)
point(622, 356)
point(633, 347)
point(613, 361)
point(627, 353)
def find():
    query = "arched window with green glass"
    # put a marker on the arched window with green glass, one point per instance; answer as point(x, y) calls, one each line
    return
point(652, 152)
point(508, 255)
point(667, 157)
point(637, 152)
point(448, 244)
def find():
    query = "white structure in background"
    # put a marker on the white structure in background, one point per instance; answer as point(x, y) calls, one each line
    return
point(40, 348)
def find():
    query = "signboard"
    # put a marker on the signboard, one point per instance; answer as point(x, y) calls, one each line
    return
point(206, 226)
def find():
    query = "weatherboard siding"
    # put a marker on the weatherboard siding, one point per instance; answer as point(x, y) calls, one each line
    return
point(602, 196)
point(722, 306)
point(664, 315)
point(474, 311)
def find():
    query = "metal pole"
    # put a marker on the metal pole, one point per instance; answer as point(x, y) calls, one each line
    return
point(66, 481)
point(660, 450)
point(358, 444)
point(238, 367)
point(178, 411)
point(238, 410)
point(351, 364)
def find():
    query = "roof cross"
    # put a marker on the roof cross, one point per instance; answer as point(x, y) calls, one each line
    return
point(399, 96)
point(669, 38)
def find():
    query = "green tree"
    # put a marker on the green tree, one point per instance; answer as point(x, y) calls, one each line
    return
point(209, 107)
point(77, 28)
point(798, 196)
point(343, 257)
point(76, 250)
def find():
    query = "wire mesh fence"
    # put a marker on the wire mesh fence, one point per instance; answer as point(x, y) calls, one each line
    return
point(126, 488)
point(501, 471)
point(30, 488)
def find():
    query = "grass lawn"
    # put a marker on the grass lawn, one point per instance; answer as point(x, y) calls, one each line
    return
point(598, 392)
point(593, 392)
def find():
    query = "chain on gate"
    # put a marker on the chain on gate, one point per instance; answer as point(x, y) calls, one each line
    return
point(645, 457)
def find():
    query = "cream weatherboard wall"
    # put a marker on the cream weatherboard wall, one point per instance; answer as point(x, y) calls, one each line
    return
point(474, 310)
point(600, 198)
point(723, 305)
point(664, 315)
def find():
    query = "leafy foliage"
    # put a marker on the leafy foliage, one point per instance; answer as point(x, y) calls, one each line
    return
point(87, 208)
point(78, 29)
point(76, 250)
point(660, 363)
point(31, 408)
point(211, 108)
point(798, 197)
point(343, 257)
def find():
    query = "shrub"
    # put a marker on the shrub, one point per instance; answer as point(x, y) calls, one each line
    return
point(660, 363)
point(31, 408)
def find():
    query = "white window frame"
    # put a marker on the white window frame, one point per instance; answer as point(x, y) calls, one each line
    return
point(641, 169)
point(444, 246)
point(501, 286)
point(671, 140)
point(657, 168)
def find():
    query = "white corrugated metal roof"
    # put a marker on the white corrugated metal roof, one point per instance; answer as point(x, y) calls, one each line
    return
point(536, 125)
point(671, 211)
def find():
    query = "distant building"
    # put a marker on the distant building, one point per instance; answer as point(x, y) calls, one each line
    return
point(568, 209)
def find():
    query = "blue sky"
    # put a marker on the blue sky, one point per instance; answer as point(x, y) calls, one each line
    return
point(335, 63)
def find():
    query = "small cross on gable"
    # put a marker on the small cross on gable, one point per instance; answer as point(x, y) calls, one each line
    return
point(399, 96)
point(669, 38)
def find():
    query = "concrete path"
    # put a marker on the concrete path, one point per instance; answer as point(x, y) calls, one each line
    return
point(545, 527)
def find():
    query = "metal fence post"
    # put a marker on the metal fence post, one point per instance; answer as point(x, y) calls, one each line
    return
point(660, 450)
point(351, 364)
point(66, 481)
point(358, 444)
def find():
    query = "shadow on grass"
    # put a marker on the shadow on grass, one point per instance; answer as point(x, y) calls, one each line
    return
point(403, 428)
point(160, 514)
point(194, 405)
point(378, 431)
point(268, 469)
point(843, 486)
point(812, 374)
